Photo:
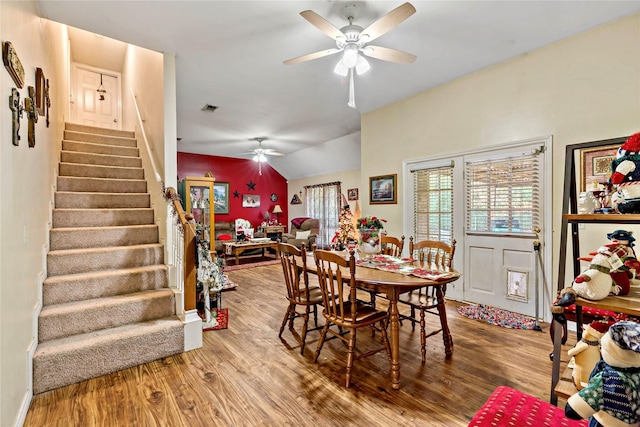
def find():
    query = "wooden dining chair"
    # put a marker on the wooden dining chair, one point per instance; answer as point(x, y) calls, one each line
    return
point(430, 254)
point(341, 308)
point(391, 246)
point(302, 296)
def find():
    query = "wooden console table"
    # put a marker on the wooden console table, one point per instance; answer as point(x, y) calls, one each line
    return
point(273, 229)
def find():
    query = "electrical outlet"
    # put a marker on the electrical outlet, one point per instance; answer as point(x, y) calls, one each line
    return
point(25, 235)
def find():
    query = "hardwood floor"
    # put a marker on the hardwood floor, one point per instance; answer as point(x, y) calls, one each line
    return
point(246, 376)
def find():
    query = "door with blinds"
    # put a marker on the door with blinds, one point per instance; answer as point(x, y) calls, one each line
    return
point(503, 220)
point(491, 203)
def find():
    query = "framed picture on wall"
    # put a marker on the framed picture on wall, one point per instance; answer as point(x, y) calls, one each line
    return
point(383, 189)
point(221, 197)
point(250, 201)
point(595, 165)
point(352, 194)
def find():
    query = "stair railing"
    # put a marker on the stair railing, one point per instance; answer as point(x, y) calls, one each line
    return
point(182, 254)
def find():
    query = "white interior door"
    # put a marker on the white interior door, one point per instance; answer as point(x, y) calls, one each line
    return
point(90, 109)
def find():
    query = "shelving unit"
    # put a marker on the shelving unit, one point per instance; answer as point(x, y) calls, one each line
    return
point(629, 304)
point(197, 197)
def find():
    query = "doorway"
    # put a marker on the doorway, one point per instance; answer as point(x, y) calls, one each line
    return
point(96, 97)
point(497, 218)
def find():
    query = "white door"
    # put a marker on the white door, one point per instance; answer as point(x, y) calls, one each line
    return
point(504, 193)
point(494, 251)
point(90, 109)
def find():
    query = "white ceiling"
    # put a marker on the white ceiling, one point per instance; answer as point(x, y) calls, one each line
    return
point(230, 54)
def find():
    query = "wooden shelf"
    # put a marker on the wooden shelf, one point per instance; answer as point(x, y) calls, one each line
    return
point(565, 387)
point(603, 218)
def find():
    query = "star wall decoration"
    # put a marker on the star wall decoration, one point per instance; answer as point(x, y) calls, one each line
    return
point(251, 185)
point(236, 194)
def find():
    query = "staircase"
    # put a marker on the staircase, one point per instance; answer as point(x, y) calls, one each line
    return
point(106, 301)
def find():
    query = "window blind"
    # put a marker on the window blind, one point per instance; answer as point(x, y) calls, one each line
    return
point(503, 195)
point(433, 204)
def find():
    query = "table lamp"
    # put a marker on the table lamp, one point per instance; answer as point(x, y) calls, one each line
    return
point(277, 210)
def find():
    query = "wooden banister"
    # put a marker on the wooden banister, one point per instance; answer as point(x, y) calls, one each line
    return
point(188, 227)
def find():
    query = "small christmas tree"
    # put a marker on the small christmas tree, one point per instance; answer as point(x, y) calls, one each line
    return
point(346, 229)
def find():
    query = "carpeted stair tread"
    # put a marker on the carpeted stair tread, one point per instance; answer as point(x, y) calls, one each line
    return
point(96, 284)
point(95, 200)
point(70, 261)
point(101, 185)
point(90, 147)
point(79, 317)
point(100, 159)
point(100, 139)
point(98, 171)
point(69, 360)
point(67, 217)
point(94, 237)
point(74, 127)
point(106, 300)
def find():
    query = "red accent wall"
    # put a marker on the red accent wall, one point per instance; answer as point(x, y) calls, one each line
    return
point(238, 173)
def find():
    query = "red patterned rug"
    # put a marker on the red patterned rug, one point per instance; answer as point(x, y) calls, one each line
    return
point(222, 320)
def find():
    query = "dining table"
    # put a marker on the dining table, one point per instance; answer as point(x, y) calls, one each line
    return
point(392, 277)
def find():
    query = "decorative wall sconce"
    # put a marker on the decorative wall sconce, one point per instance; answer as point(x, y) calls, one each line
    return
point(101, 90)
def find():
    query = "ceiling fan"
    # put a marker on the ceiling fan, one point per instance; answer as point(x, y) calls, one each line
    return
point(352, 41)
point(260, 154)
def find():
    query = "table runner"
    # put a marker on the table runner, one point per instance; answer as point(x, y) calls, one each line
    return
point(403, 266)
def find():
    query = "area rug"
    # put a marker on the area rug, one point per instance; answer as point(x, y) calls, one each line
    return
point(221, 321)
point(497, 316)
point(233, 267)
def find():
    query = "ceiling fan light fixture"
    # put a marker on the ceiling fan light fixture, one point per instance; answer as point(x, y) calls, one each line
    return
point(260, 158)
point(350, 56)
point(362, 65)
point(340, 69)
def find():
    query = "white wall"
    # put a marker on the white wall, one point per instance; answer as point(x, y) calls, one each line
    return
point(582, 89)
point(27, 176)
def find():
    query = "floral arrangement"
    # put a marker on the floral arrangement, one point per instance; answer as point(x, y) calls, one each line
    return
point(371, 222)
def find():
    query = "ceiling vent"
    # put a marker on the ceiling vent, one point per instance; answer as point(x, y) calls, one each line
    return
point(209, 108)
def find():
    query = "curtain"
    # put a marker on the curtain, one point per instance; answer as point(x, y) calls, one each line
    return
point(323, 202)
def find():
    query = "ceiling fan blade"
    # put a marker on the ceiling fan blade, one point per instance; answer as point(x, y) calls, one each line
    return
point(386, 54)
point(311, 56)
point(322, 24)
point(389, 21)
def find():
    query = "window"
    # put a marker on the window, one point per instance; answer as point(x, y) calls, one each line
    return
point(503, 195)
point(433, 204)
point(323, 202)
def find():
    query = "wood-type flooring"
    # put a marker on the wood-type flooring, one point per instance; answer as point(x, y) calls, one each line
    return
point(246, 376)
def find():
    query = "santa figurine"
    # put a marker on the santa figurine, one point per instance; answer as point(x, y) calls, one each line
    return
point(626, 174)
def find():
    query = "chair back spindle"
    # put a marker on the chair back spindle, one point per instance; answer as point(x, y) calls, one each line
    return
point(392, 246)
